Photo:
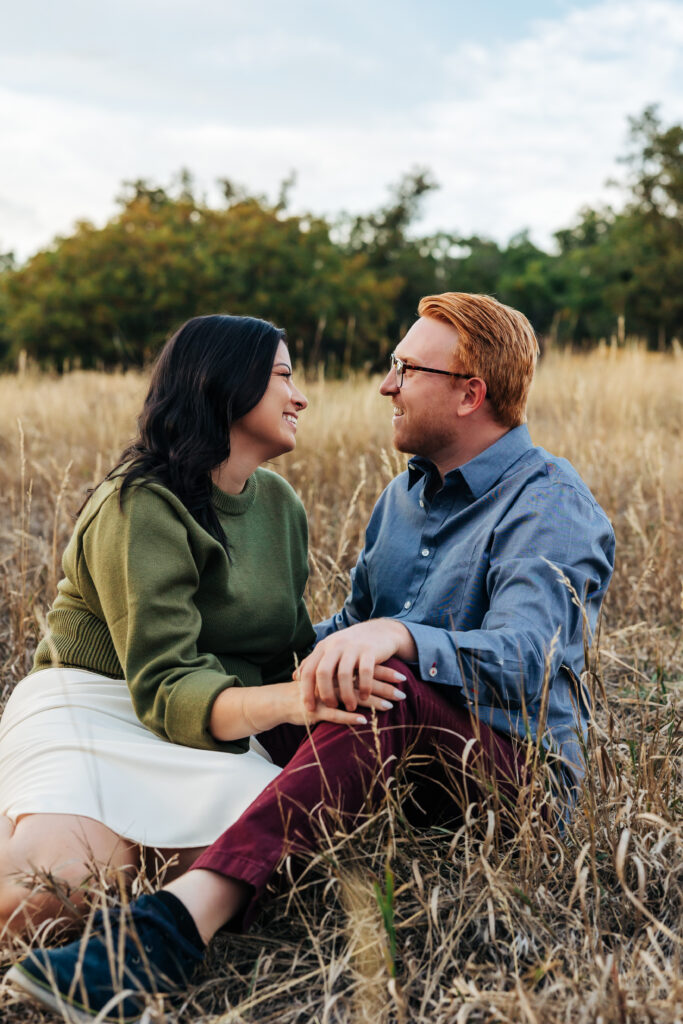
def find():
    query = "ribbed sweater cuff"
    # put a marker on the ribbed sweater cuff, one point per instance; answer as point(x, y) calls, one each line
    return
point(82, 643)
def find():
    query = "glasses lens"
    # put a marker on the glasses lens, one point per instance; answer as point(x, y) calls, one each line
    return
point(398, 369)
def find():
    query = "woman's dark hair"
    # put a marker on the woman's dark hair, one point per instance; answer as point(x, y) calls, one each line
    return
point(210, 373)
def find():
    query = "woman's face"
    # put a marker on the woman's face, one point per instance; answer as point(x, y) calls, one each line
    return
point(269, 429)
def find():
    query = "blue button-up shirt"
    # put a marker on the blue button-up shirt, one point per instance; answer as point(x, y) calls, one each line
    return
point(485, 571)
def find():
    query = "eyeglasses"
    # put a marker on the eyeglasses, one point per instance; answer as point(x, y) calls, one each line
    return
point(400, 368)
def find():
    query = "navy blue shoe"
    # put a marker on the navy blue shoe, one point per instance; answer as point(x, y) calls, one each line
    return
point(84, 979)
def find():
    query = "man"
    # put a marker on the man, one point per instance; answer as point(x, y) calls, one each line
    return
point(483, 565)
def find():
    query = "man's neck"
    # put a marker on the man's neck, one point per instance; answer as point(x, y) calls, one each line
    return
point(467, 448)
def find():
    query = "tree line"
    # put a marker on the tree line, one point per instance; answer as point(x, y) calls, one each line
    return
point(346, 288)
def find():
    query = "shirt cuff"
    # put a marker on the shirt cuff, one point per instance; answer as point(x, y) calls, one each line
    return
point(436, 661)
point(331, 625)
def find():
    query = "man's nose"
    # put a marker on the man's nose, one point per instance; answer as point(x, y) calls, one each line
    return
point(389, 385)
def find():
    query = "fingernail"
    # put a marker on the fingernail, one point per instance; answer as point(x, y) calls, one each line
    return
point(400, 677)
point(399, 695)
point(361, 720)
point(386, 704)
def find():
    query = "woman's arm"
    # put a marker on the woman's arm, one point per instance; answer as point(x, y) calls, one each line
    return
point(138, 573)
point(245, 711)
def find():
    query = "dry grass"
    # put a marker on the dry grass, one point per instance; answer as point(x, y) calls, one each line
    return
point(398, 924)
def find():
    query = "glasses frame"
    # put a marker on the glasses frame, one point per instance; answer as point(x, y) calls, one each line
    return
point(400, 366)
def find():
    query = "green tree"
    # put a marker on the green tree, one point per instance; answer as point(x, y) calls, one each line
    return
point(111, 295)
point(651, 229)
point(416, 265)
point(629, 264)
point(345, 291)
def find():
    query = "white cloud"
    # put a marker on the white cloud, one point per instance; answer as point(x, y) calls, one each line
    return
point(534, 128)
point(521, 133)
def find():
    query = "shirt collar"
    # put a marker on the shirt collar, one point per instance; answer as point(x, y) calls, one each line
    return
point(481, 472)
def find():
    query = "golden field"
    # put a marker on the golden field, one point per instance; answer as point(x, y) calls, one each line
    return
point(477, 928)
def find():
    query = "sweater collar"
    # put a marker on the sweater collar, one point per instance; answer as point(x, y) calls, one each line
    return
point(235, 504)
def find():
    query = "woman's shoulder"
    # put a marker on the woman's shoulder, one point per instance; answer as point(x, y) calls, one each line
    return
point(143, 496)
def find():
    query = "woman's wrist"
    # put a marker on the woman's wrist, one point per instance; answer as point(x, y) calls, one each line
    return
point(264, 707)
point(247, 716)
point(243, 711)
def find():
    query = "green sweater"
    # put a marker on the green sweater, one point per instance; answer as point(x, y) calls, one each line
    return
point(150, 597)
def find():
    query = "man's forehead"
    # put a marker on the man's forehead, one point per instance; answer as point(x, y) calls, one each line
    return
point(428, 339)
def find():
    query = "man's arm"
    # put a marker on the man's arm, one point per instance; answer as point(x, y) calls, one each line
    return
point(555, 547)
point(545, 585)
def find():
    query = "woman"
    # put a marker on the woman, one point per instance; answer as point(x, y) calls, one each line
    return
point(175, 632)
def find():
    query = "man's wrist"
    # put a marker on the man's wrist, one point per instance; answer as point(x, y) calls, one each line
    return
point(406, 648)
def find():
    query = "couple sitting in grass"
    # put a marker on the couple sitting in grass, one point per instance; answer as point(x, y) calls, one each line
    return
point(183, 701)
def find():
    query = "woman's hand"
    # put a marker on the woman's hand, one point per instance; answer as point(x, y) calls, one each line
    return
point(299, 714)
point(245, 711)
point(385, 690)
point(286, 700)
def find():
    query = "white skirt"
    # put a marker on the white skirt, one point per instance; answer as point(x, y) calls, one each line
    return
point(71, 743)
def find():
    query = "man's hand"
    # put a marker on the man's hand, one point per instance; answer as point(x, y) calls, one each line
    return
point(347, 666)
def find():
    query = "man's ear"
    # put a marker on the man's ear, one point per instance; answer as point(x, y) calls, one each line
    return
point(472, 396)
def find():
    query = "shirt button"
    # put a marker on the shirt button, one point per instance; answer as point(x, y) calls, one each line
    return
point(407, 605)
point(432, 671)
point(422, 504)
point(424, 552)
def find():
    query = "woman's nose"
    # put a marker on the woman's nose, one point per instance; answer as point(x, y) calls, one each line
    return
point(300, 399)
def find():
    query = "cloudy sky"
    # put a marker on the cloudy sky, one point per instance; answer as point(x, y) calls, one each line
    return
point(519, 109)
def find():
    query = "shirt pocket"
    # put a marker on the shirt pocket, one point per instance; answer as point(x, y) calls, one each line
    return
point(458, 590)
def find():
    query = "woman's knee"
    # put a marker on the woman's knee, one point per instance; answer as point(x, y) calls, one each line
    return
point(14, 890)
point(46, 872)
point(70, 847)
point(13, 902)
point(26, 903)
point(55, 858)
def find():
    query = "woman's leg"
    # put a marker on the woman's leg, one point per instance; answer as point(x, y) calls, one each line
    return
point(68, 848)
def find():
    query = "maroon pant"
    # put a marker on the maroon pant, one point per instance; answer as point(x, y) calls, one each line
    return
point(452, 756)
